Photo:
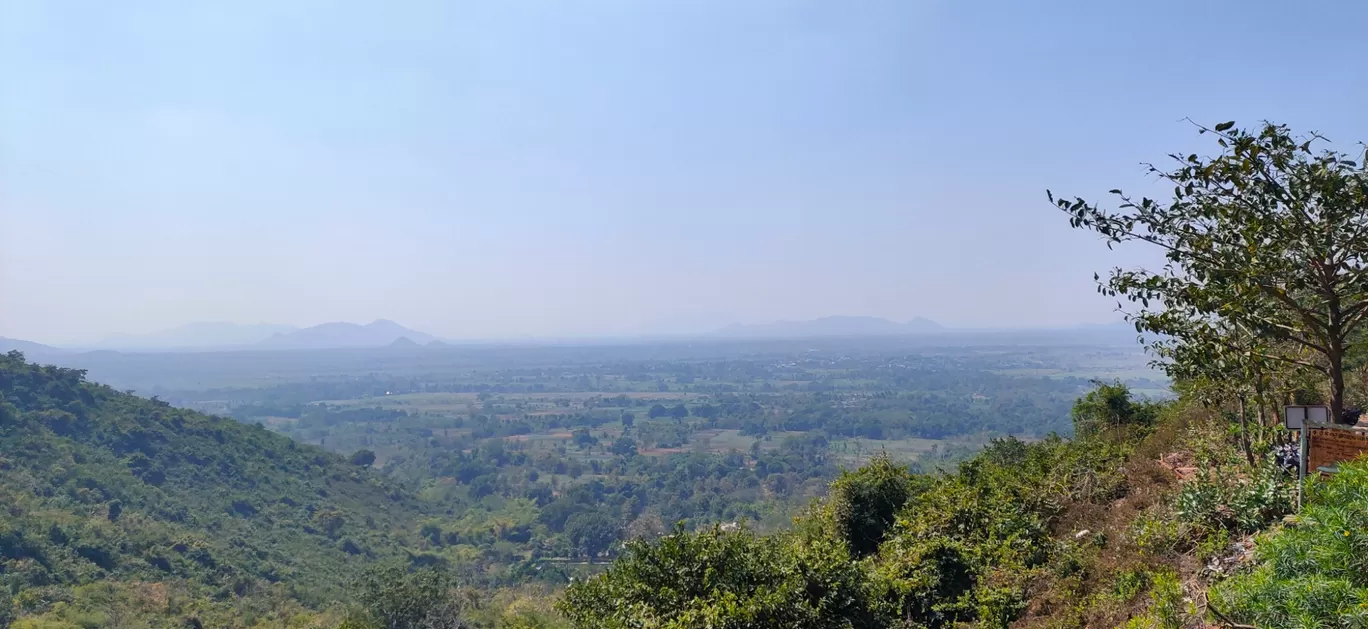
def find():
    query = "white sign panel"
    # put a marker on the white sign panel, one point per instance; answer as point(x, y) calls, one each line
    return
point(1297, 416)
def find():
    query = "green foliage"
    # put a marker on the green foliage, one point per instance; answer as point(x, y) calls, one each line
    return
point(864, 503)
point(1313, 573)
point(887, 549)
point(1167, 609)
point(1215, 501)
point(591, 533)
point(1131, 583)
point(1264, 246)
point(394, 597)
point(102, 486)
point(724, 579)
point(362, 458)
point(249, 528)
point(1109, 407)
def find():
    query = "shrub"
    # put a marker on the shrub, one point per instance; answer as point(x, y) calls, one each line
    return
point(1167, 609)
point(724, 579)
point(1241, 505)
point(393, 597)
point(1110, 407)
point(1314, 573)
point(865, 502)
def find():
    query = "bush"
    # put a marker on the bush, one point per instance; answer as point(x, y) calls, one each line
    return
point(1167, 609)
point(865, 502)
point(1110, 407)
point(724, 579)
point(1242, 505)
point(393, 597)
point(362, 458)
point(1315, 572)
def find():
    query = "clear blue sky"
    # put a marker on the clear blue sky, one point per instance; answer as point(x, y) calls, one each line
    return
point(515, 169)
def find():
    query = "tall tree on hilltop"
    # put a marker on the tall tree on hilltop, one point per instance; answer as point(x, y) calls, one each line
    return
point(1267, 240)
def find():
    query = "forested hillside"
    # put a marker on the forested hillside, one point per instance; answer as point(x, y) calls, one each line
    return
point(113, 497)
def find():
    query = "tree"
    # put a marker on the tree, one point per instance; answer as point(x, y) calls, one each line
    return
point(624, 446)
point(865, 502)
point(392, 597)
point(591, 532)
point(726, 579)
point(1269, 239)
point(679, 411)
point(657, 411)
point(1108, 407)
point(583, 438)
point(331, 521)
point(363, 458)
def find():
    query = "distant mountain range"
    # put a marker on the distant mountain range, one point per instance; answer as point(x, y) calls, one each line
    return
point(200, 335)
point(378, 333)
point(385, 334)
point(29, 348)
point(831, 326)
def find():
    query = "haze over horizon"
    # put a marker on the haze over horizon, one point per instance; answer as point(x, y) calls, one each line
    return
point(209, 335)
point(516, 169)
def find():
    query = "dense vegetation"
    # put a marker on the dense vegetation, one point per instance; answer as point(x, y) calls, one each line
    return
point(131, 512)
point(662, 489)
point(886, 548)
point(110, 495)
point(1314, 572)
point(1261, 300)
point(528, 460)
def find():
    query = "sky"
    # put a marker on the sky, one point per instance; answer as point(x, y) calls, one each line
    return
point(517, 169)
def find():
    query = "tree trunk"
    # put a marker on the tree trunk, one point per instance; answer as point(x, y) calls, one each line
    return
point(1244, 432)
point(1259, 422)
point(1336, 356)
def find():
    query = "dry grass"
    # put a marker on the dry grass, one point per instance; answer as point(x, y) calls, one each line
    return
point(1085, 597)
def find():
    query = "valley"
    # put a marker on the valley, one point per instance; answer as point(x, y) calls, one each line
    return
point(514, 467)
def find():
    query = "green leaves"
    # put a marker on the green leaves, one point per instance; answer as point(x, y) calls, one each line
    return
point(1314, 573)
point(716, 578)
point(1265, 267)
point(865, 502)
point(933, 551)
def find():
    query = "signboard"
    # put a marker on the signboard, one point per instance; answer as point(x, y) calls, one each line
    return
point(1330, 446)
point(1295, 416)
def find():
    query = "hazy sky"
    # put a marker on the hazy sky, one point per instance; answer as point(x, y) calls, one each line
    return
point(514, 169)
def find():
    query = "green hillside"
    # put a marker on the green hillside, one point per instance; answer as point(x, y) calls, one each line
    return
point(102, 487)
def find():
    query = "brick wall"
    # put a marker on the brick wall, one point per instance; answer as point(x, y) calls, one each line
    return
point(1332, 445)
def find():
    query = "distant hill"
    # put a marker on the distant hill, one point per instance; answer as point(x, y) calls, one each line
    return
point(379, 333)
point(33, 350)
point(200, 335)
point(403, 342)
point(831, 326)
point(104, 486)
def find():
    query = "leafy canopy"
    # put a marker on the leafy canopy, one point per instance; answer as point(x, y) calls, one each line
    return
point(1267, 253)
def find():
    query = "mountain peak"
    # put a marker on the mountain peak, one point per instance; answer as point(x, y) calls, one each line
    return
point(341, 334)
point(403, 342)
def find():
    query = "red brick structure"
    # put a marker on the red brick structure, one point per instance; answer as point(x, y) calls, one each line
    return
point(1331, 444)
